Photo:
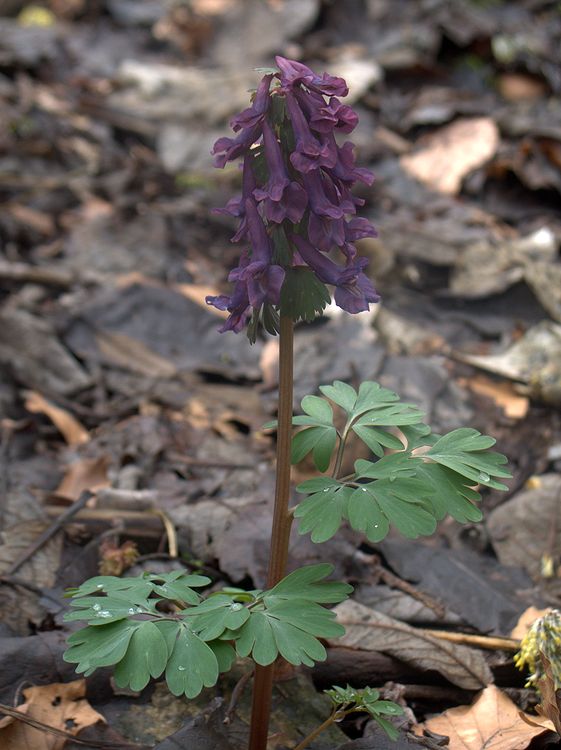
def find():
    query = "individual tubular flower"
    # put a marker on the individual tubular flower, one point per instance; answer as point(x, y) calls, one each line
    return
point(353, 289)
point(282, 198)
point(296, 204)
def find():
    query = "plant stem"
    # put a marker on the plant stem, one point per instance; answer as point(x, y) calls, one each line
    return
point(340, 452)
point(318, 730)
point(280, 534)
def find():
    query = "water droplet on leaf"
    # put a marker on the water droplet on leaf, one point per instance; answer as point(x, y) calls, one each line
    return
point(236, 606)
point(96, 607)
point(483, 477)
point(181, 669)
point(104, 613)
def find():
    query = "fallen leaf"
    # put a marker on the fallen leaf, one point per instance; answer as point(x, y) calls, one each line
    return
point(526, 620)
point(450, 153)
point(492, 722)
point(84, 474)
point(503, 394)
point(61, 705)
point(372, 631)
point(518, 87)
point(71, 430)
point(550, 705)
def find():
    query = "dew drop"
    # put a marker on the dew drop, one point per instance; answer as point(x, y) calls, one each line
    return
point(181, 669)
point(132, 611)
point(96, 607)
point(99, 586)
point(363, 489)
point(326, 489)
point(375, 525)
point(236, 606)
point(104, 613)
point(483, 477)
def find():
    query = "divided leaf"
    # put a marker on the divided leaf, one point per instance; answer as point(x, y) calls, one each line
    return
point(319, 440)
point(192, 665)
point(94, 647)
point(146, 657)
point(323, 512)
point(308, 583)
point(449, 493)
point(465, 451)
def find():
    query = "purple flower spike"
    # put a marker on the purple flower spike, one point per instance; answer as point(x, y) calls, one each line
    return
point(306, 190)
point(310, 153)
point(283, 198)
point(354, 290)
point(293, 73)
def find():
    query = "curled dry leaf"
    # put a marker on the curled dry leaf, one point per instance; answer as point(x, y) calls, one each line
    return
point(550, 705)
point(492, 722)
point(71, 430)
point(525, 621)
point(62, 706)
point(370, 630)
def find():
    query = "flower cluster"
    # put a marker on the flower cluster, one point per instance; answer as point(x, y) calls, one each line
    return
point(296, 204)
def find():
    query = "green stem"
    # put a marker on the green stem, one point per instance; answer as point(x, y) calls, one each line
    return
point(318, 730)
point(340, 451)
point(280, 534)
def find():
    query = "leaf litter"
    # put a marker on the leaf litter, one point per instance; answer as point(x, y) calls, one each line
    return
point(112, 382)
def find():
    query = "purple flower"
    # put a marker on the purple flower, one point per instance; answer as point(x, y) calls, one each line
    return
point(334, 115)
point(254, 115)
point(236, 206)
point(310, 152)
point(353, 289)
point(282, 198)
point(345, 169)
point(293, 73)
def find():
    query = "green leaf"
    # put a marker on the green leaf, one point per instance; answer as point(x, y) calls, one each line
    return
point(102, 610)
point(322, 513)
point(318, 408)
point(101, 646)
point(371, 395)
point(215, 615)
point(417, 435)
point(392, 466)
point(465, 451)
point(308, 583)
point(308, 616)
point(225, 654)
point(146, 657)
point(180, 587)
point(256, 638)
point(303, 295)
point(320, 440)
point(387, 726)
point(192, 665)
point(400, 502)
point(341, 394)
point(137, 588)
point(317, 484)
point(377, 439)
point(365, 515)
point(449, 493)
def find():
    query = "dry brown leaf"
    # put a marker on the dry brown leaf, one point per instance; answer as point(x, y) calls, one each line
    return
point(550, 706)
point(525, 621)
point(84, 474)
point(492, 722)
point(61, 706)
point(450, 153)
point(133, 355)
point(370, 630)
point(72, 431)
point(503, 394)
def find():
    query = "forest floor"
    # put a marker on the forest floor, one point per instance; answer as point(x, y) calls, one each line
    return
point(126, 418)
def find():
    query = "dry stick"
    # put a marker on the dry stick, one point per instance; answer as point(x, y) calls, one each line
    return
point(492, 643)
point(280, 535)
point(43, 538)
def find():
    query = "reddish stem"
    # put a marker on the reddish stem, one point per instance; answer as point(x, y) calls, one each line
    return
point(280, 534)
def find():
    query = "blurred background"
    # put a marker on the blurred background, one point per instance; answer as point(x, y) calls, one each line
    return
point(114, 379)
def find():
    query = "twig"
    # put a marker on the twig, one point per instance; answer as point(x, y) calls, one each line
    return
point(398, 583)
point(23, 272)
point(14, 582)
point(492, 643)
point(15, 714)
point(237, 692)
point(43, 538)
point(170, 532)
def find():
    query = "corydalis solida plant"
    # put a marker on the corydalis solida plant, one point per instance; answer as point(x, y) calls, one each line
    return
point(296, 204)
point(295, 210)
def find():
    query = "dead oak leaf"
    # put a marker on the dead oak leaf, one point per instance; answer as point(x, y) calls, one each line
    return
point(72, 431)
point(62, 706)
point(492, 722)
point(550, 705)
